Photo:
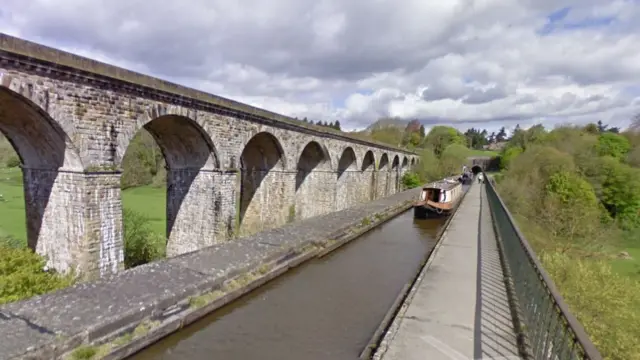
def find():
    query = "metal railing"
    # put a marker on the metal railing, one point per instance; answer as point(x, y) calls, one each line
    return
point(547, 330)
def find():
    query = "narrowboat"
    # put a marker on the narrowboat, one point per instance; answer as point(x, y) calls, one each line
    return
point(438, 198)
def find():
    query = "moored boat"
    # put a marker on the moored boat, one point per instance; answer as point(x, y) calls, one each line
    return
point(438, 198)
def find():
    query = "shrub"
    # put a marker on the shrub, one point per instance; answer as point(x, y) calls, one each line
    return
point(508, 156)
point(429, 168)
point(141, 244)
point(22, 275)
point(13, 161)
point(411, 180)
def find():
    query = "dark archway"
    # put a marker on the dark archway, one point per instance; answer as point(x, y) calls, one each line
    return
point(368, 168)
point(382, 176)
point(315, 182)
point(262, 191)
point(395, 176)
point(192, 204)
point(51, 182)
point(476, 169)
point(348, 180)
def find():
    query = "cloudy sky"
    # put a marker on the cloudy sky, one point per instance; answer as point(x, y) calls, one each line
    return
point(482, 63)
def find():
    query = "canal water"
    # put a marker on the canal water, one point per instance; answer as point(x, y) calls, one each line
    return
point(325, 309)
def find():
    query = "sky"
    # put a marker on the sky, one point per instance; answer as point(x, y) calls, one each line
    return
point(464, 63)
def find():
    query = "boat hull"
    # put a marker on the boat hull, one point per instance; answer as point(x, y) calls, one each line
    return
point(427, 212)
point(428, 209)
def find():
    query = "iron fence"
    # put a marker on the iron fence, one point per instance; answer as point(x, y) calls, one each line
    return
point(547, 329)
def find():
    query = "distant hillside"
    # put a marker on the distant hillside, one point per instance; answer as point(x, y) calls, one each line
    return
point(388, 122)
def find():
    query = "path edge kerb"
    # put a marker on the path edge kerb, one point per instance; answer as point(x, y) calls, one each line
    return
point(392, 329)
point(172, 314)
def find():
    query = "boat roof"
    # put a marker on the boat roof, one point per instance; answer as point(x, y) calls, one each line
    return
point(445, 184)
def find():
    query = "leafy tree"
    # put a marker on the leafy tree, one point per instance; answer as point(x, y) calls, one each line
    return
point(452, 159)
point(502, 135)
point(476, 138)
point(509, 154)
point(389, 135)
point(614, 145)
point(440, 137)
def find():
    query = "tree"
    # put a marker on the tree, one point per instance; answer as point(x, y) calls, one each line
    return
point(440, 137)
point(502, 135)
point(336, 125)
point(614, 145)
point(476, 139)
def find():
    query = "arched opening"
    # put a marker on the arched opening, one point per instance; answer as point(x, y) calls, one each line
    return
point(262, 188)
point(173, 175)
point(413, 163)
point(41, 193)
point(348, 180)
point(395, 176)
point(476, 169)
point(383, 176)
point(368, 176)
point(315, 183)
point(405, 162)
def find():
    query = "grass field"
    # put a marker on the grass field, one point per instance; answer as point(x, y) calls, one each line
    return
point(150, 201)
point(630, 267)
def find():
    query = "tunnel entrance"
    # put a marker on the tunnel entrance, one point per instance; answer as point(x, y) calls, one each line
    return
point(476, 170)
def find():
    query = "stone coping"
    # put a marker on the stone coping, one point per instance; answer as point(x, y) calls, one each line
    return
point(68, 62)
point(118, 316)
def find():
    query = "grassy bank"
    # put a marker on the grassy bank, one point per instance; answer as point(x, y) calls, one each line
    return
point(575, 193)
point(146, 200)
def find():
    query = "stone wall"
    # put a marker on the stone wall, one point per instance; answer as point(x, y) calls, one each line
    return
point(229, 171)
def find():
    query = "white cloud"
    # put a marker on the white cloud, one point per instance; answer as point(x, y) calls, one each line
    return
point(481, 63)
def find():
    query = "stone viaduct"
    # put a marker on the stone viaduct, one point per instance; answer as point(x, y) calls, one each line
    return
point(232, 169)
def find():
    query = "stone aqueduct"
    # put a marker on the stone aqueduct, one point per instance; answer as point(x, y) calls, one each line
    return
point(231, 168)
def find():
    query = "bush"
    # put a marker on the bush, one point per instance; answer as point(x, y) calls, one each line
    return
point(452, 159)
point(22, 275)
point(508, 156)
point(411, 180)
point(13, 161)
point(429, 168)
point(141, 244)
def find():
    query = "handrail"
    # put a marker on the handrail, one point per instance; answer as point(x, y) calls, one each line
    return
point(550, 329)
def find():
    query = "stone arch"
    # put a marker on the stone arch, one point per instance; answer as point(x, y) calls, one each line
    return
point(262, 189)
point(413, 161)
point(192, 204)
point(347, 161)
point(315, 182)
point(394, 184)
point(405, 162)
point(347, 180)
point(382, 176)
point(384, 162)
point(368, 169)
point(476, 169)
point(368, 161)
point(52, 173)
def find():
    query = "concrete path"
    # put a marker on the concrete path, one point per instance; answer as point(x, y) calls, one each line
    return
point(458, 309)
